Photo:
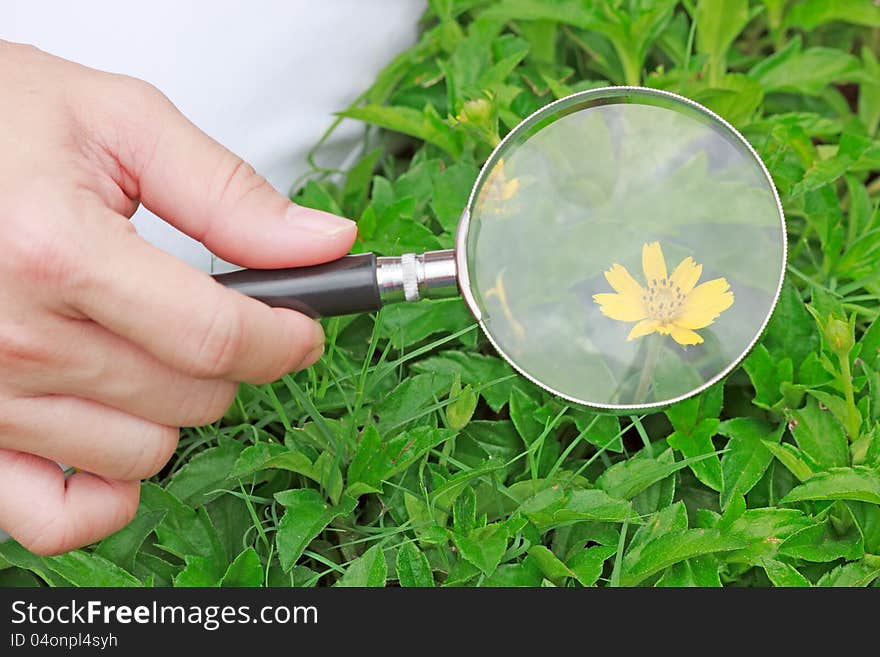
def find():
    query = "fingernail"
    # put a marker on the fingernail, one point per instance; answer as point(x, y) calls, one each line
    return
point(318, 223)
point(312, 357)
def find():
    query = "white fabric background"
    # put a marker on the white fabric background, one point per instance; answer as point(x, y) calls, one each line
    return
point(263, 77)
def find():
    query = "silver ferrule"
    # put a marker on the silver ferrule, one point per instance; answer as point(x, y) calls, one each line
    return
point(410, 277)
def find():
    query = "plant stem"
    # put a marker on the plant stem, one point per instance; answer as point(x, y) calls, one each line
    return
point(648, 370)
point(853, 415)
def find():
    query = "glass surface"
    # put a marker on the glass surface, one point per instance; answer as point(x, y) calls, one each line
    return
point(624, 248)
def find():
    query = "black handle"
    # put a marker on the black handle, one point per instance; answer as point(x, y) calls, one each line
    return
point(340, 287)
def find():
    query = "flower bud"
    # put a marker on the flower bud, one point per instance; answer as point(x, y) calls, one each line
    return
point(477, 112)
point(839, 335)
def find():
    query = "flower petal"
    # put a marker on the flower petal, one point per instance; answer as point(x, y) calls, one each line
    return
point(684, 336)
point(705, 303)
point(621, 280)
point(509, 189)
point(686, 275)
point(653, 263)
point(620, 307)
point(645, 327)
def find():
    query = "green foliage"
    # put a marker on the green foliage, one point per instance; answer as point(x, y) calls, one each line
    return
point(412, 455)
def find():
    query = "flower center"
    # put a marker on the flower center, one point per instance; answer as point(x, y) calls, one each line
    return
point(663, 300)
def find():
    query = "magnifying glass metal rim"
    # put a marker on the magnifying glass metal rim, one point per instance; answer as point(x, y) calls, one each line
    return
point(464, 226)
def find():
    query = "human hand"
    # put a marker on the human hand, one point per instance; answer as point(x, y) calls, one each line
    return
point(108, 345)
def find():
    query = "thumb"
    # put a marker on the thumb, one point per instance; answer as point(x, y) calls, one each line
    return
point(210, 193)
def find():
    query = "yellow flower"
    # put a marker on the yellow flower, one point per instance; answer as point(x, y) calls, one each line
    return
point(670, 305)
point(497, 190)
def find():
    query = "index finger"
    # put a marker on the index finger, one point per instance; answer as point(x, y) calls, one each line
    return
point(185, 318)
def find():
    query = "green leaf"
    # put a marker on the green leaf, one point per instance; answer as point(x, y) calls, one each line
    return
point(306, 515)
point(550, 565)
point(408, 323)
point(568, 12)
point(791, 332)
point(122, 547)
point(413, 569)
point(822, 543)
point(324, 471)
point(768, 375)
point(869, 92)
point(88, 569)
point(425, 125)
point(245, 571)
point(671, 519)
point(14, 578)
point(357, 182)
point(734, 97)
point(698, 442)
point(587, 564)
point(451, 191)
point(699, 571)
point(603, 431)
point(476, 370)
point(553, 507)
point(409, 400)
point(524, 415)
point(199, 572)
point(820, 435)
point(867, 519)
point(809, 14)
point(718, 24)
point(783, 574)
point(524, 573)
point(856, 574)
point(461, 409)
point(792, 458)
point(368, 570)
point(483, 547)
point(856, 483)
point(626, 479)
point(376, 460)
point(183, 531)
point(669, 549)
point(746, 458)
point(315, 195)
point(687, 414)
point(15, 555)
point(198, 481)
point(825, 172)
point(807, 72)
point(762, 531)
point(464, 512)
point(870, 345)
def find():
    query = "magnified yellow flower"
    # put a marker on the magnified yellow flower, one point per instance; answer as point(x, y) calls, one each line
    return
point(497, 191)
point(670, 305)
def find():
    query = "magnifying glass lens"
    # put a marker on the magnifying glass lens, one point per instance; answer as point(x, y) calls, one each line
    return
point(624, 249)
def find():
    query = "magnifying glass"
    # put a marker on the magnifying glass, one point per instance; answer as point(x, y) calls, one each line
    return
point(622, 247)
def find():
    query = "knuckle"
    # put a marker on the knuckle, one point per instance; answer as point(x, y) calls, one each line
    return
point(236, 179)
point(139, 93)
point(220, 343)
point(21, 348)
point(36, 252)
